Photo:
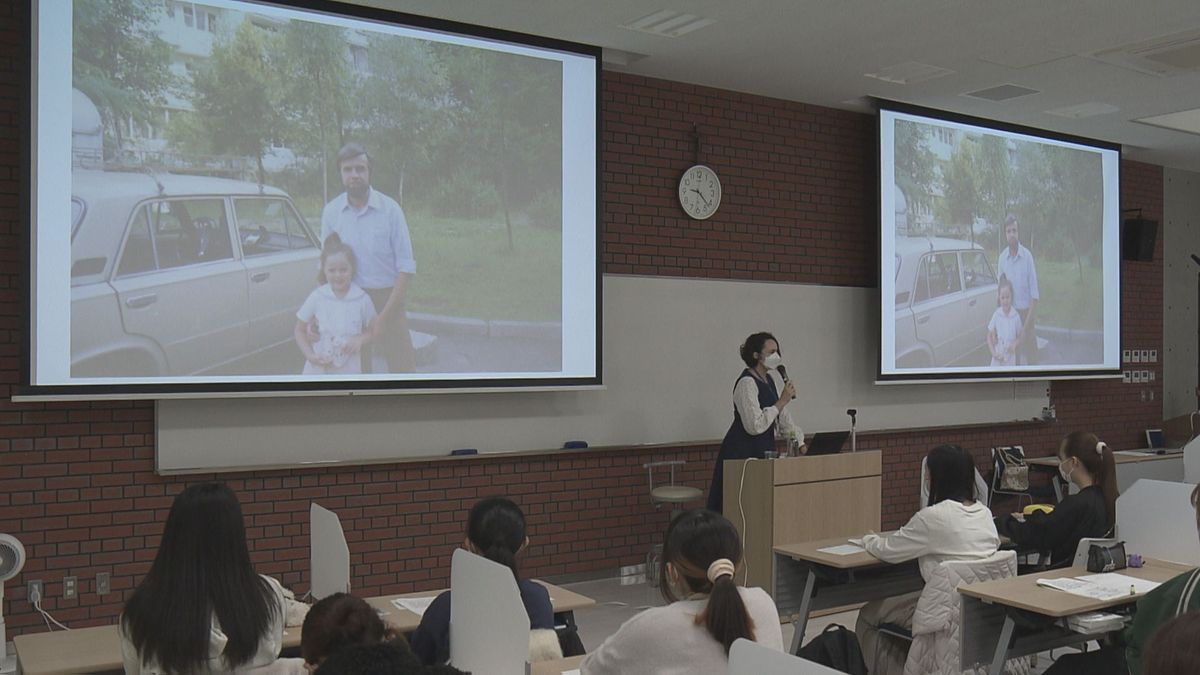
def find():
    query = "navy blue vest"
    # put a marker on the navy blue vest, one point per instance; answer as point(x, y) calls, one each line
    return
point(738, 443)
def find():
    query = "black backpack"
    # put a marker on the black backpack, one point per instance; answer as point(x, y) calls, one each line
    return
point(836, 647)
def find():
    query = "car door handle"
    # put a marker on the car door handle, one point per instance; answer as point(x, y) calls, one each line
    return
point(973, 301)
point(923, 320)
point(260, 276)
point(141, 301)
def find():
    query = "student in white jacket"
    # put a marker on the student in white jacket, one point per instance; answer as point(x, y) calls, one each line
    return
point(708, 610)
point(955, 526)
point(202, 609)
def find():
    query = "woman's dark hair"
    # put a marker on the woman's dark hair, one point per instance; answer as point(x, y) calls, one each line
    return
point(202, 573)
point(1174, 649)
point(1098, 461)
point(694, 540)
point(339, 621)
point(496, 527)
point(386, 658)
point(333, 245)
point(951, 474)
point(754, 345)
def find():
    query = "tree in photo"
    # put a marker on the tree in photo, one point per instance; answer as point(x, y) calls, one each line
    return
point(120, 62)
point(237, 95)
point(916, 165)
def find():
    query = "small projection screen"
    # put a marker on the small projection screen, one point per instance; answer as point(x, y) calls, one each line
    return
point(240, 197)
point(999, 250)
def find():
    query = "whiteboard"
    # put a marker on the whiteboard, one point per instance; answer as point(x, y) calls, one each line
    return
point(670, 360)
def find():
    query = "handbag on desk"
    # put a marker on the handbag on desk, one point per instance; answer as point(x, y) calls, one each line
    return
point(1106, 557)
point(1015, 476)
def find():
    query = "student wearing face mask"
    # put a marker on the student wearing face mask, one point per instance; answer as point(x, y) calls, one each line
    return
point(1088, 463)
point(759, 400)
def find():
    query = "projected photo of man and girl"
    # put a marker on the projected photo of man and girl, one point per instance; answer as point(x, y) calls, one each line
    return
point(985, 222)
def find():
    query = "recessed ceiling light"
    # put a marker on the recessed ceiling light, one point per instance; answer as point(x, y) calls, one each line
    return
point(1187, 121)
point(669, 23)
point(909, 72)
point(1082, 110)
point(1003, 92)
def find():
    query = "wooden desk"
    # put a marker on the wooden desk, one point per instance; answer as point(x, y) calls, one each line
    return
point(846, 580)
point(986, 612)
point(564, 602)
point(783, 501)
point(90, 650)
point(556, 667)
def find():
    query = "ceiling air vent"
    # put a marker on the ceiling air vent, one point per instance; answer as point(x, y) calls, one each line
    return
point(669, 23)
point(1003, 92)
point(1162, 56)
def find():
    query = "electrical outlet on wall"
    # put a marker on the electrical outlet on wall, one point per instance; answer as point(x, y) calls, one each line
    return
point(103, 582)
point(1126, 356)
point(1127, 376)
point(34, 591)
point(70, 587)
point(1137, 356)
point(1153, 356)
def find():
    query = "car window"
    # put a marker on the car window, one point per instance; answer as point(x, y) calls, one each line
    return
point(937, 276)
point(189, 231)
point(977, 272)
point(268, 226)
point(138, 255)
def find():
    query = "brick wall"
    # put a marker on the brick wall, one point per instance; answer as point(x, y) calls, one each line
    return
point(77, 482)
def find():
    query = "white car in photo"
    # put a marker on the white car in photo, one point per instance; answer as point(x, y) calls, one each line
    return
point(175, 275)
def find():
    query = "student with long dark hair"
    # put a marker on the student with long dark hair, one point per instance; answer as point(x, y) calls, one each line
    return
point(202, 608)
point(955, 526)
point(1092, 512)
point(496, 531)
point(708, 611)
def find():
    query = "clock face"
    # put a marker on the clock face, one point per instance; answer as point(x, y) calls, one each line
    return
point(699, 192)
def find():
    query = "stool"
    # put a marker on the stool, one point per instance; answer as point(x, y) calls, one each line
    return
point(676, 496)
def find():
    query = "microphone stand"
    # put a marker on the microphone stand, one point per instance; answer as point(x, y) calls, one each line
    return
point(853, 413)
point(1196, 259)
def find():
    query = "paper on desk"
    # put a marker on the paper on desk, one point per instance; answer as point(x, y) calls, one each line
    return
point(571, 672)
point(844, 549)
point(415, 605)
point(1135, 453)
point(1100, 586)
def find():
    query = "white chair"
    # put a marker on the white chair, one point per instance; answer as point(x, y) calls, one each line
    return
point(676, 496)
point(750, 658)
point(937, 622)
point(981, 486)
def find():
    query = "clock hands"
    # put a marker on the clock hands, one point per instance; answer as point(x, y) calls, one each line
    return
point(706, 202)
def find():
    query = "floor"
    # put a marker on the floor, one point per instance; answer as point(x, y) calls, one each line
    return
point(618, 599)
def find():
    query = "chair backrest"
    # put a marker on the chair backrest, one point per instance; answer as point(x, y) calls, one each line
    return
point(1081, 551)
point(747, 657)
point(981, 486)
point(946, 577)
point(489, 628)
point(651, 466)
point(1155, 518)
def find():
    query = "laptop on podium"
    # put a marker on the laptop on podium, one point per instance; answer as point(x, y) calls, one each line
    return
point(827, 442)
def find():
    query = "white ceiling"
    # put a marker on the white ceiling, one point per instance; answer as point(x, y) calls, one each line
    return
point(818, 51)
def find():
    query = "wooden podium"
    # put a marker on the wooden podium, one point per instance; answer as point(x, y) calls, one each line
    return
point(798, 499)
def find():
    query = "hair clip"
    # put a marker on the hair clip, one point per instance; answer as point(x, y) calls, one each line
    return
point(1100, 445)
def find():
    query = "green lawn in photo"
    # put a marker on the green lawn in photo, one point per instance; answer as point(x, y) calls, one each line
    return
point(1066, 300)
point(465, 269)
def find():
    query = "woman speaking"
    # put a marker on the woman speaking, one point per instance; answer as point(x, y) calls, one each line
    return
point(758, 407)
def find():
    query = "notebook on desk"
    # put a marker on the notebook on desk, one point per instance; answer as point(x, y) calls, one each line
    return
point(827, 442)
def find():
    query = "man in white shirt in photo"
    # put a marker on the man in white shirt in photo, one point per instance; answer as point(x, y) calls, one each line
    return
point(374, 227)
point(1016, 262)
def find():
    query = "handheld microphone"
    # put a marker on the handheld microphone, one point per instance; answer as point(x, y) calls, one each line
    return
point(782, 372)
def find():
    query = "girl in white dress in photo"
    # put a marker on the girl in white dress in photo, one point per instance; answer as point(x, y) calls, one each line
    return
point(341, 313)
point(1004, 330)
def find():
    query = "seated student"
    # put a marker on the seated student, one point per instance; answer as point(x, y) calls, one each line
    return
point(955, 526)
point(1169, 600)
point(496, 531)
point(1092, 512)
point(382, 658)
point(201, 608)
point(708, 611)
point(340, 621)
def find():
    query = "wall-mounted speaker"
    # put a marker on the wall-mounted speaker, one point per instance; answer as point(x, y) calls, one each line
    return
point(1138, 236)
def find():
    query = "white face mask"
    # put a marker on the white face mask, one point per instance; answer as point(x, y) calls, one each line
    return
point(1066, 475)
point(773, 361)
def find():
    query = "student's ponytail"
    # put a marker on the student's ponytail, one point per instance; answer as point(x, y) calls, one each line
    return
point(496, 528)
point(703, 550)
point(1097, 459)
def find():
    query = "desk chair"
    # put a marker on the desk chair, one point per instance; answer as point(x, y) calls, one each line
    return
point(676, 496)
point(998, 476)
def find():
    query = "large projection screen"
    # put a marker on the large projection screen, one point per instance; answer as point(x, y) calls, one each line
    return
point(999, 250)
point(204, 155)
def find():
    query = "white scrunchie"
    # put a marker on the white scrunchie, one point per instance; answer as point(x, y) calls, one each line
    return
point(719, 568)
point(1100, 446)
